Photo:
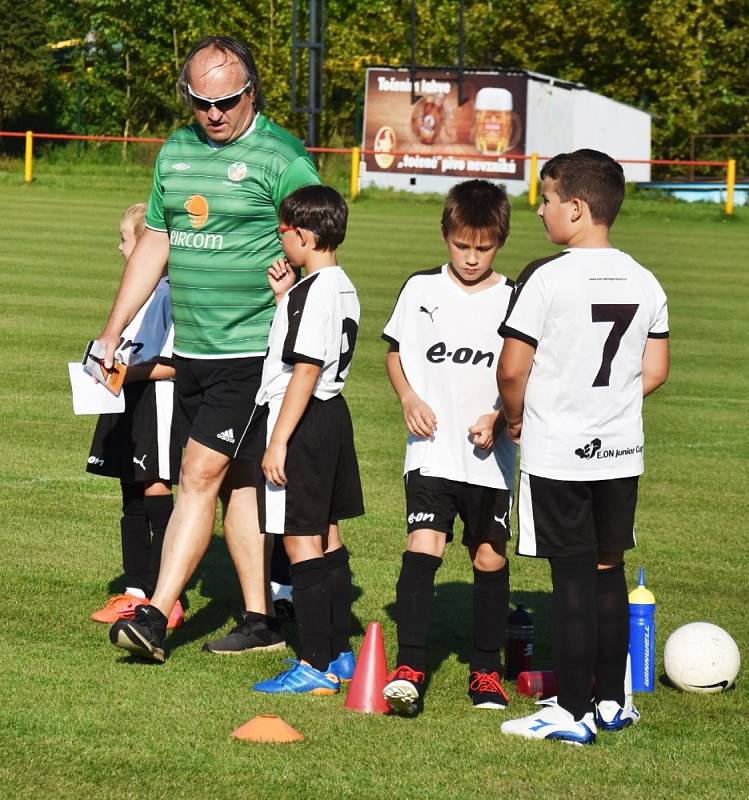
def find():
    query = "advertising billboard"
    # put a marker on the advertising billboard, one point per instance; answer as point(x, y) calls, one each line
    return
point(420, 127)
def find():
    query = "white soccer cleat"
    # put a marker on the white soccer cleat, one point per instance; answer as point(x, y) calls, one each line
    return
point(610, 716)
point(552, 721)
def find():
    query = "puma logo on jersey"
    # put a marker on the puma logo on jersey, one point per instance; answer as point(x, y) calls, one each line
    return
point(501, 520)
point(424, 310)
point(422, 516)
point(226, 436)
point(589, 450)
point(141, 462)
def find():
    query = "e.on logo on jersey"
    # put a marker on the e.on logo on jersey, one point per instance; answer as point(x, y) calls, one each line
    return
point(197, 210)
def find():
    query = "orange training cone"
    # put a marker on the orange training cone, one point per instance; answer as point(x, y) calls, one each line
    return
point(267, 728)
point(370, 675)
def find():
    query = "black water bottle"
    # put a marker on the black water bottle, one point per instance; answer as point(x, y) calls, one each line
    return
point(519, 643)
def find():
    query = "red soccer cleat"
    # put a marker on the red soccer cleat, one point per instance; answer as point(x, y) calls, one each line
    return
point(121, 606)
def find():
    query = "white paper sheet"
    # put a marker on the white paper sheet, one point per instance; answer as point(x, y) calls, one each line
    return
point(90, 397)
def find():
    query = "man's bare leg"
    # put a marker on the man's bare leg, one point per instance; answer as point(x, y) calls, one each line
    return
point(191, 525)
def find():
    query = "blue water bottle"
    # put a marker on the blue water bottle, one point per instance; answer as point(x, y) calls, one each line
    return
point(642, 636)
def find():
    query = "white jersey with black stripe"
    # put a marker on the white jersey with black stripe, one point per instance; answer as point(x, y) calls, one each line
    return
point(448, 344)
point(588, 313)
point(316, 322)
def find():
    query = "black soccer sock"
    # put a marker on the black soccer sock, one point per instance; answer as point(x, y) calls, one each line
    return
point(613, 634)
point(413, 607)
point(135, 537)
point(491, 600)
point(309, 580)
point(158, 510)
point(574, 629)
point(279, 563)
point(341, 593)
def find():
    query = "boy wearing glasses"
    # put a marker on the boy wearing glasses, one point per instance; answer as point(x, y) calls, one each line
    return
point(212, 216)
point(302, 423)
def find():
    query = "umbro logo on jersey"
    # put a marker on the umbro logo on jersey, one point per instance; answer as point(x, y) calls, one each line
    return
point(180, 166)
point(430, 314)
point(589, 450)
point(141, 462)
point(96, 462)
point(501, 520)
point(422, 516)
point(226, 436)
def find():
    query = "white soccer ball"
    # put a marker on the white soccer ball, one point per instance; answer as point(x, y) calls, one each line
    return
point(701, 657)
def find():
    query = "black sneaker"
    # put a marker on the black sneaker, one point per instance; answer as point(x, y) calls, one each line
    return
point(485, 689)
point(404, 690)
point(251, 635)
point(143, 635)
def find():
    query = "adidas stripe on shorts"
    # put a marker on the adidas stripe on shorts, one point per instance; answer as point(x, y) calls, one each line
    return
point(322, 473)
point(214, 401)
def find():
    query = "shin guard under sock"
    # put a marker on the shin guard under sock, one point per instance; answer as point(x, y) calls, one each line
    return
point(341, 595)
point(613, 634)
point(309, 580)
point(413, 607)
point(574, 629)
point(491, 599)
point(135, 537)
point(158, 510)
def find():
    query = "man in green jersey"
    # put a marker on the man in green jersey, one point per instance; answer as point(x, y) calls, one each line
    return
point(212, 217)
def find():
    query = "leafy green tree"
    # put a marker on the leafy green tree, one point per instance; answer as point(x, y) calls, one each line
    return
point(25, 62)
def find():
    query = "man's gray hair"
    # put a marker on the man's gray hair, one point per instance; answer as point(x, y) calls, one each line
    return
point(227, 45)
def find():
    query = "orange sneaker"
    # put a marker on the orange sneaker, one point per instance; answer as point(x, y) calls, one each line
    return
point(177, 617)
point(121, 606)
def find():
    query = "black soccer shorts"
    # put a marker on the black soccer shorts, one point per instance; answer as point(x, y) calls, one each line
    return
point(433, 503)
point(566, 518)
point(215, 399)
point(322, 473)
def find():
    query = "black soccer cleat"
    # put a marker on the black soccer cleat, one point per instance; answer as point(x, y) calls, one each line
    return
point(485, 689)
point(404, 691)
point(143, 636)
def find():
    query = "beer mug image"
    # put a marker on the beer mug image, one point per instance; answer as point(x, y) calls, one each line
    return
point(496, 127)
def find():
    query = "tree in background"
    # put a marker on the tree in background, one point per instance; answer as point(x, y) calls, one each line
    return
point(684, 61)
point(25, 63)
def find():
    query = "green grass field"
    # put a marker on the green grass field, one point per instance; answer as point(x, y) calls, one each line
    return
point(79, 719)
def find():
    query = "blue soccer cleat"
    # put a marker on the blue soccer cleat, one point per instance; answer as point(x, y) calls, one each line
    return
point(610, 716)
point(302, 678)
point(343, 666)
point(553, 722)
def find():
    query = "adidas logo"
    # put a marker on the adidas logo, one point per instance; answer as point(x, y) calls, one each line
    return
point(226, 436)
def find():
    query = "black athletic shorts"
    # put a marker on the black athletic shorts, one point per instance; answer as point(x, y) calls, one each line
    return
point(322, 473)
point(140, 445)
point(433, 503)
point(214, 400)
point(566, 518)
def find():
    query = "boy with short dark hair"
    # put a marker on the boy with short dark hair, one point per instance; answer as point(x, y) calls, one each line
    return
point(441, 362)
point(586, 338)
point(302, 423)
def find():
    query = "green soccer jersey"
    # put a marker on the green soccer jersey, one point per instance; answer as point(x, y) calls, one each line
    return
point(219, 205)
